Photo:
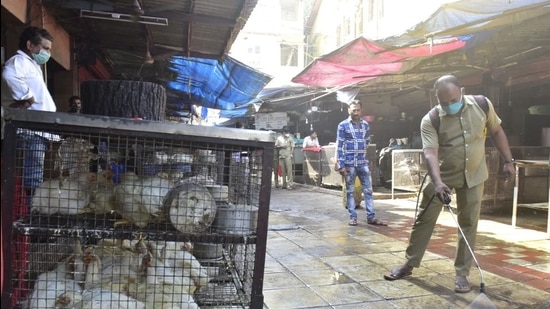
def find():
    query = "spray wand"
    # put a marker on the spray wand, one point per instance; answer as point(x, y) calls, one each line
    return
point(447, 202)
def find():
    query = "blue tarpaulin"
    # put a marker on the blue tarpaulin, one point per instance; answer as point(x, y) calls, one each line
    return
point(227, 84)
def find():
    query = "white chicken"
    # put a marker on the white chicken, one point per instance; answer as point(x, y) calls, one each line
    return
point(93, 268)
point(97, 299)
point(64, 196)
point(168, 296)
point(49, 286)
point(159, 272)
point(121, 263)
point(141, 200)
point(74, 265)
point(75, 155)
point(105, 299)
point(68, 300)
point(102, 194)
point(162, 289)
point(176, 255)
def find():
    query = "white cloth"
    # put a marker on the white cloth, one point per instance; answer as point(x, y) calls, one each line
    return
point(310, 142)
point(24, 79)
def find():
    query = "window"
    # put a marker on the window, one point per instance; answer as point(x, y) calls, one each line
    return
point(254, 49)
point(289, 55)
point(289, 10)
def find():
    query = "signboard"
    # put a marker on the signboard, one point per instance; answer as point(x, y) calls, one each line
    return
point(271, 121)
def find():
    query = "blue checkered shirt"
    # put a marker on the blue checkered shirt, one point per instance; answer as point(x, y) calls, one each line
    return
point(351, 143)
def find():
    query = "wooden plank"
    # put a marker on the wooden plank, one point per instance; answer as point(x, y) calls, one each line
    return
point(538, 206)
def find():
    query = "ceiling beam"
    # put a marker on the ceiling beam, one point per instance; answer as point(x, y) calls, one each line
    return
point(519, 69)
point(529, 80)
point(198, 18)
point(187, 43)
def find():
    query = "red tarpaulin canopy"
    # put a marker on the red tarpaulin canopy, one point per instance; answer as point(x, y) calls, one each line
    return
point(361, 60)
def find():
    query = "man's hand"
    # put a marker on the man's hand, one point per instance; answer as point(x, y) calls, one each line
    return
point(343, 171)
point(23, 103)
point(509, 170)
point(441, 190)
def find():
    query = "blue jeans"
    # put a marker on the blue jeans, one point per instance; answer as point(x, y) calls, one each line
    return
point(34, 151)
point(363, 173)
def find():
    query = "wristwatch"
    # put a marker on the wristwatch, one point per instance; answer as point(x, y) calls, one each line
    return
point(509, 161)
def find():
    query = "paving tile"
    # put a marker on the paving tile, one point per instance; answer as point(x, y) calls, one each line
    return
point(281, 244)
point(514, 249)
point(492, 280)
point(349, 260)
point(517, 255)
point(487, 247)
point(281, 280)
point(362, 273)
point(312, 243)
point(537, 274)
point(298, 234)
point(298, 264)
point(485, 252)
point(345, 241)
point(519, 295)
point(518, 262)
point(293, 298)
point(328, 251)
point(439, 266)
point(397, 289)
point(321, 277)
point(432, 256)
point(347, 293)
point(382, 304)
point(543, 267)
point(427, 301)
point(541, 284)
point(272, 265)
point(393, 246)
point(517, 268)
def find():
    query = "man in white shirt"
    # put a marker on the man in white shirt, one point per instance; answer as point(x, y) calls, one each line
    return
point(25, 81)
point(311, 140)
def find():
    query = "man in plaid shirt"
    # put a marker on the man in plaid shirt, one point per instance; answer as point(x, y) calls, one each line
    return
point(352, 139)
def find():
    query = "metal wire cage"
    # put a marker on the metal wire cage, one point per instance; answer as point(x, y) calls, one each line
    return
point(101, 211)
point(408, 169)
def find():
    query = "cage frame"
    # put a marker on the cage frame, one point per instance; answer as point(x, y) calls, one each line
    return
point(104, 125)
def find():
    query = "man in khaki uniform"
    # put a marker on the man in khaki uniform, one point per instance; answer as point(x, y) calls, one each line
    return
point(285, 145)
point(455, 157)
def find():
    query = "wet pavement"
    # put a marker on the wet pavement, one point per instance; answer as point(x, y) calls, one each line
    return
point(315, 260)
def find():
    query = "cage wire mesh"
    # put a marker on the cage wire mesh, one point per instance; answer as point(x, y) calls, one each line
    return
point(408, 169)
point(144, 221)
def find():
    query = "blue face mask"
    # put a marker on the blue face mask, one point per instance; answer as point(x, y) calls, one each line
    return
point(452, 108)
point(42, 57)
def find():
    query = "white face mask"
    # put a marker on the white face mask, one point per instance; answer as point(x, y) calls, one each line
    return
point(42, 57)
point(287, 134)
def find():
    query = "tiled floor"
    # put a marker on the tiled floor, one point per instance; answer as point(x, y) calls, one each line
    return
point(315, 260)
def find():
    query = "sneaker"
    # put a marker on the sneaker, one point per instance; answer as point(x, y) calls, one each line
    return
point(353, 222)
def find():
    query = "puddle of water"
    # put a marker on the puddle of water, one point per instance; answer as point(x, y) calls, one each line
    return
point(283, 227)
point(339, 277)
